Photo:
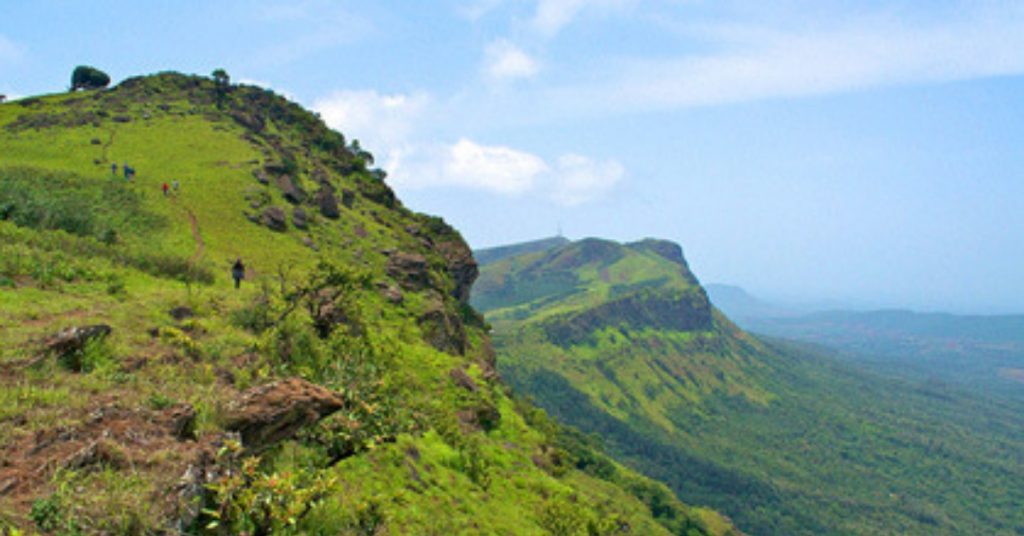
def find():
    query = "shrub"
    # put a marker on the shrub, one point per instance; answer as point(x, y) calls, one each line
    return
point(250, 502)
point(46, 514)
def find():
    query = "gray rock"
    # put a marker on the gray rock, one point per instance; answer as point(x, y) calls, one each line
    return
point(274, 218)
point(299, 218)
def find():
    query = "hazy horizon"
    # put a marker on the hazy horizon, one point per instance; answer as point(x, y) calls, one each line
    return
point(808, 151)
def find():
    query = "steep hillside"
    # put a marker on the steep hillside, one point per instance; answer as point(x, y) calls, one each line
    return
point(345, 387)
point(621, 341)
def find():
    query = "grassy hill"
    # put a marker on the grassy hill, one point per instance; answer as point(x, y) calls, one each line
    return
point(621, 341)
point(346, 387)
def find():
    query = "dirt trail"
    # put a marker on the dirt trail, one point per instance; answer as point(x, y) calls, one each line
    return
point(200, 245)
point(110, 141)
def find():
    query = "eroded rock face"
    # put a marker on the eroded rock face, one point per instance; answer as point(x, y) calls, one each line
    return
point(274, 412)
point(409, 270)
point(462, 267)
point(685, 310)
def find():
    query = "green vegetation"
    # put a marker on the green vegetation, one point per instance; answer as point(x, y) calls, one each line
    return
point(427, 440)
point(85, 77)
point(783, 439)
point(984, 354)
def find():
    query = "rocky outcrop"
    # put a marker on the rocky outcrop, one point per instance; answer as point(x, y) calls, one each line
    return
point(68, 343)
point(409, 270)
point(327, 203)
point(442, 329)
point(268, 414)
point(290, 189)
point(683, 310)
point(463, 379)
point(461, 266)
point(348, 197)
point(274, 218)
point(181, 313)
point(299, 218)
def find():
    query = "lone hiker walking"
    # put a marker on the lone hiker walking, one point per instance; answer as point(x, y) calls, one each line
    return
point(166, 187)
point(238, 272)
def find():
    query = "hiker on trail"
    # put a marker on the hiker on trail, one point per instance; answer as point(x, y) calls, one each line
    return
point(127, 171)
point(113, 169)
point(238, 272)
point(166, 188)
point(175, 185)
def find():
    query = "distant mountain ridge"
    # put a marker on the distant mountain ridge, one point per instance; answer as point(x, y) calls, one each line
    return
point(489, 255)
point(622, 341)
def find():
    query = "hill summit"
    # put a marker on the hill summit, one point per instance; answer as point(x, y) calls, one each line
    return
point(216, 317)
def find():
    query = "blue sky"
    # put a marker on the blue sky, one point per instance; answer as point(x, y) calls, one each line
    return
point(867, 152)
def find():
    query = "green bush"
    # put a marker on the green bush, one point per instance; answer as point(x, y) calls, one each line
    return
point(86, 77)
point(46, 514)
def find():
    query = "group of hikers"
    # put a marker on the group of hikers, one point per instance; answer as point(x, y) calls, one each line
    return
point(129, 173)
point(237, 269)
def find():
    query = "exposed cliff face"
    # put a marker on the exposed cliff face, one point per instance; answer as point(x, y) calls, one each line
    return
point(673, 310)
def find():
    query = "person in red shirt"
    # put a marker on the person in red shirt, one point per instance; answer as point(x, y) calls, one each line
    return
point(166, 187)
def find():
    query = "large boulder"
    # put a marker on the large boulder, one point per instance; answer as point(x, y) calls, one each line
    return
point(271, 413)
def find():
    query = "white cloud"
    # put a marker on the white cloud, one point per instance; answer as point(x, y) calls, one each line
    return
point(392, 128)
point(579, 179)
point(553, 15)
point(502, 59)
point(466, 164)
point(495, 168)
point(756, 62)
point(474, 10)
point(380, 122)
point(573, 179)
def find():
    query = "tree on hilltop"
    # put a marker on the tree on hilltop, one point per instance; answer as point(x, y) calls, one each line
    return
point(222, 82)
point(86, 77)
point(220, 76)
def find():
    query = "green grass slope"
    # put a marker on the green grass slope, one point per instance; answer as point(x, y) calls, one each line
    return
point(344, 288)
point(620, 341)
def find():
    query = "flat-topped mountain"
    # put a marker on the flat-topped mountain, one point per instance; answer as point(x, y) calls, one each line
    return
point(621, 341)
